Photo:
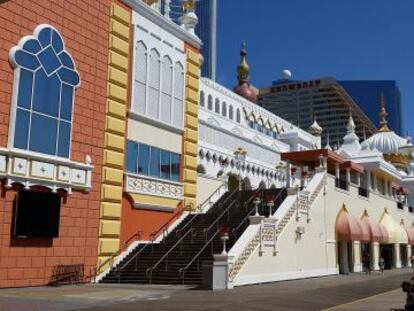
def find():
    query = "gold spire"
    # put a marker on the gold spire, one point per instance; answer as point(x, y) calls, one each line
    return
point(383, 117)
point(243, 68)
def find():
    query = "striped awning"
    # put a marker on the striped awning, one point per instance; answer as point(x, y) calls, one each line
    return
point(396, 232)
point(410, 234)
point(349, 228)
point(377, 232)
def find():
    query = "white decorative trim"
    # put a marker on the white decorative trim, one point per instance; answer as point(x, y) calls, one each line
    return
point(139, 117)
point(32, 169)
point(165, 23)
point(154, 207)
point(152, 186)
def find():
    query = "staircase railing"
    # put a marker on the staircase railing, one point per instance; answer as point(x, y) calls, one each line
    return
point(235, 231)
point(190, 223)
point(200, 207)
point(149, 271)
point(183, 270)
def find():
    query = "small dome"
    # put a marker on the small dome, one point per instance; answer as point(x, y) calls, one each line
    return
point(315, 129)
point(386, 142)
point(245, 91)
point(286, 74)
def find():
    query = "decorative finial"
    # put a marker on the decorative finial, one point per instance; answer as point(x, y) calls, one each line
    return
point(243, 68)
point(383, 117)
point(364, 133)
point(328, 146)
point(350, 127)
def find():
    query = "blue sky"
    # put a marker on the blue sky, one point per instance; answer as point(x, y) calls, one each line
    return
point(346, 39)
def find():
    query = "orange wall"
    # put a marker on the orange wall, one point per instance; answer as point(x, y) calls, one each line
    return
point(84, 27)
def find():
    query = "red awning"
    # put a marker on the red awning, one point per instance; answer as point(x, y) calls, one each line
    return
point(377, 233)
point(348, 228)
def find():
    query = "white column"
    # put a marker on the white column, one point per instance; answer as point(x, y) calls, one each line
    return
point(375, 182)
point(167, 8)
point(369, 187)
point(358, 179)
point(397, 256)
point(337, 173)
point(356, 258)
point(409, 253)
point(288, 177)
point(348, 176)
point(375, 255)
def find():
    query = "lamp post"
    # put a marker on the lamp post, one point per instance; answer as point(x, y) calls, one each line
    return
point(224, 236)
point(240, 155)
point(270, 203)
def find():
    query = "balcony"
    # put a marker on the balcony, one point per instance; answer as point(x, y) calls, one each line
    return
point(363, 192)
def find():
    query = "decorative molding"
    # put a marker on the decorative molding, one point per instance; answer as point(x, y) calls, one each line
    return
point(31, 169)
point(139, 117)
point(151, 186)
point(160, 20)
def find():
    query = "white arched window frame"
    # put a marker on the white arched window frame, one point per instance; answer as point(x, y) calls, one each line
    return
point(217, 106)
point(210, 102)
point(238, 116)
point(154, 74)
point(166, 93)
point(140, 78)
point(177, 119)
point(44, 91)
point(231, 116)
point(224, 109)
point(202, 99)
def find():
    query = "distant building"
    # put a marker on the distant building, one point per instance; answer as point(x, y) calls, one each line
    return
point(367, 93)
point(301, 102)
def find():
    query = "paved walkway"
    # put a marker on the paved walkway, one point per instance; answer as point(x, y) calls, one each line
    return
point(356, 292)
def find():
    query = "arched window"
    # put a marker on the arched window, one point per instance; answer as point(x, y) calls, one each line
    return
point(44, 94)
point(231, 112)
point(217, 106)
point(224, 109)
point(166, 96)
point(202, 99)
point(178, 95)
point(154, 84)
point(140, 79)
point(238, 116)
point(210, 102)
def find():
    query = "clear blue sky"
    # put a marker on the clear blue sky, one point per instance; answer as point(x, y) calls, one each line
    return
point(346, 39)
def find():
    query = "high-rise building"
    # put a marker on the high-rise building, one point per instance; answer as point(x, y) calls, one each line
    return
point(324, 99)
point(367, 93)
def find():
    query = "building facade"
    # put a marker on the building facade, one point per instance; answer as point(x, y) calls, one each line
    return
point(301, 102)
point(367, 93)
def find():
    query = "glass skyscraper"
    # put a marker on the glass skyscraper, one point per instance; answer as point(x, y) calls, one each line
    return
point(367, 93)
point(206, 30)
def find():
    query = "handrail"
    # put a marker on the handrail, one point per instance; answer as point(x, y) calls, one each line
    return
point(191, 221)
point(235, 230)
point(210, 196)
point(183, 270)
point(116, 253)
point(148, 272)
point(226, 210)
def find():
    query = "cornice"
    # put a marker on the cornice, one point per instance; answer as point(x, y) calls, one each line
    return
point(166, 24)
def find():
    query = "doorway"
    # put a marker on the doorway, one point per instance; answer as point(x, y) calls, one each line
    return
point(403, 255)
point(386, 252)
point(345, 257)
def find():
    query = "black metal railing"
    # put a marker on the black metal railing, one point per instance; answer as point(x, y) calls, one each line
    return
point(341, 184)
point(363, 192)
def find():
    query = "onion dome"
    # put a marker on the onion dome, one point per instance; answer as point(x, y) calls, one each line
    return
point(315, 129)
point(243, 70)
point(385, 141)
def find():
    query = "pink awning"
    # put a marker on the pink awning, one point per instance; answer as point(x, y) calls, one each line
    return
point(348, 228)
point(410, 234)
point(376, 231)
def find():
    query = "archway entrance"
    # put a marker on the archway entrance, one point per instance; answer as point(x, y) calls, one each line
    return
point(262, 185)
point(233, 183)
point(246, 185)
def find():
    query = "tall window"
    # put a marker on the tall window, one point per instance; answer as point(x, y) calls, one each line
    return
point(178, 95)
point(166, 97)
point(217, 106)
point(151, 161)
point(202, 99)
point(46, 83)
point(210, 102)
point(224, 109)
point(154, 84)
point(238, 116)
point(231, 112)
point(140, 79)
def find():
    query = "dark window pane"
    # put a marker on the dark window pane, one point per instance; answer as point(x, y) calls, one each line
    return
point(64, 139)
point(132, 157)
point(49, 60)
point(165, 164)
point(66, 102)
point(155, 162)
point(21, 129)
point(25, 88)
point(175, 167)
point(43, 134)
point(143, 160)
point(46, 93)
